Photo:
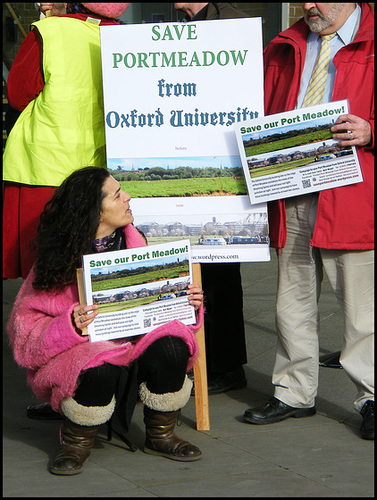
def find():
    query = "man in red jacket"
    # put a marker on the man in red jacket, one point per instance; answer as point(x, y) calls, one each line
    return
point(332, 230)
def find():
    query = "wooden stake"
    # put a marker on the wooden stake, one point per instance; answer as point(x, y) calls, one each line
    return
point(200, 370)
point(80, 286)
point(14, 15)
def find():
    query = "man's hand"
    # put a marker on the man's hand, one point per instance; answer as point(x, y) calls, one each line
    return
point(55, 8)
point(352, 131)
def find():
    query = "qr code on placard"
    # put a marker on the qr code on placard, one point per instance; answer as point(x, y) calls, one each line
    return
point(306, 183)
point(147, 322)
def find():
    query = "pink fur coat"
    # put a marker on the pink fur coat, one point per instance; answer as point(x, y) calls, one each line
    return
point(45, 342)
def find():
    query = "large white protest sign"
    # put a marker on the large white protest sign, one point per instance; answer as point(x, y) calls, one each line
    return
point(173, 95)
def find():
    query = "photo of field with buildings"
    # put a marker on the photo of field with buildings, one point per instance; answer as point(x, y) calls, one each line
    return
point(122, 287)
point(287, 148)
point(203, 230)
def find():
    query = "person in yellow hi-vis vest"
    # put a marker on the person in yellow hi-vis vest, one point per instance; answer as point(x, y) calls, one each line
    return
point(56, 81)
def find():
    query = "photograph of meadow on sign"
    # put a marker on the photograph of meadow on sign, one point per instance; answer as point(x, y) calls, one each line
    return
point(121, 287)
point(202, 230)
point(179, 177)
point(280, 149)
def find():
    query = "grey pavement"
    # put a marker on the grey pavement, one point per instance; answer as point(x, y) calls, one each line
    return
point(318, 456)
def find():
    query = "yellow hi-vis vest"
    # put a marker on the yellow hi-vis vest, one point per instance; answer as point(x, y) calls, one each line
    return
point(63, 128)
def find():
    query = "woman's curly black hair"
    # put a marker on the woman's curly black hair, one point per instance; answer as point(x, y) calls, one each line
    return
point(67, 228)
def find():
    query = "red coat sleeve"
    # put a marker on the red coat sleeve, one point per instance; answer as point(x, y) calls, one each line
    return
point(25, 80)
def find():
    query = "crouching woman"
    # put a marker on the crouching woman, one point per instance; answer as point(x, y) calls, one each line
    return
point(91, 383)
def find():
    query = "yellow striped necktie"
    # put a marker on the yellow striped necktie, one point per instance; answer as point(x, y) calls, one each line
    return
point(317, 84)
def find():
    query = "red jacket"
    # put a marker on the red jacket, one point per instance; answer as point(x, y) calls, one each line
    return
point(345, 216)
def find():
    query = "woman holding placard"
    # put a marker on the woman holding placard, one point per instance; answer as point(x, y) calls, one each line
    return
point(91, 383)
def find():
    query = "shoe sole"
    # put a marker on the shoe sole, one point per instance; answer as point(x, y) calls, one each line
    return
point(300, 413)
point(58, 472)
point(169, 455)
point(368, 435)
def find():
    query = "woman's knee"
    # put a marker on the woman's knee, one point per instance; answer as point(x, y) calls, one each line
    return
point(97, 386)
point(164, 364)
point(169, 352)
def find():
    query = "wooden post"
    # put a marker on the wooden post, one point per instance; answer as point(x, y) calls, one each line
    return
point(200, 370)
point(80, 286)
point(16, 20)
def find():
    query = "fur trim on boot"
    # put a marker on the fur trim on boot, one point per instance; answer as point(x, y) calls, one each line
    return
point(87, 415)
point(169, 401)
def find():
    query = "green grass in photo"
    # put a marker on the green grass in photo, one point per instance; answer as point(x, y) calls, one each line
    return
point(275, 169)
point(138, 279)
point(121, 306)
point(215, 186)
point(288, 142)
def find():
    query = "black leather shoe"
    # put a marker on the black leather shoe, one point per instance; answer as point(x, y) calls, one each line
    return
point(274, 411)
point(330, 360)
point(223, 382)
point(367, 427)
point(226, 381)
point(42, 411)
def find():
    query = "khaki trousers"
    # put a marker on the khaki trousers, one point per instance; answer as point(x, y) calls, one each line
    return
point(300, 274)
